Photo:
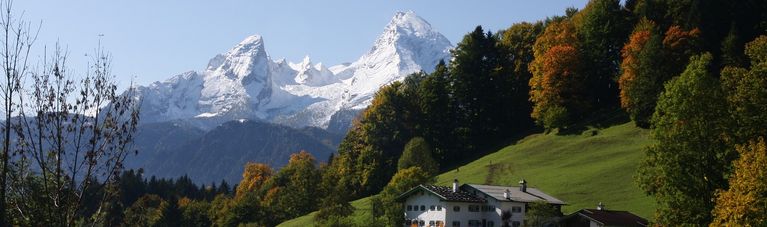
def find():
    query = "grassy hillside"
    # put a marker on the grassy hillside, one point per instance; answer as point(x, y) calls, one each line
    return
point(582, 170)
point(362, 211)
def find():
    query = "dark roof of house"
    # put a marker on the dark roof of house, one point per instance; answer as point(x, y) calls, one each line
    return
point(517, 195)
point(611, 217)
point(445, 193)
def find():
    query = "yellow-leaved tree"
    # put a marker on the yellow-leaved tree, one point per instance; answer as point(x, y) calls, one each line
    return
point(745, 202)
point(254, 176)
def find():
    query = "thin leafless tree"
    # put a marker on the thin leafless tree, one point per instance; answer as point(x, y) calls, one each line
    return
point(16, 39)
point(72, 138)
point(65, 137)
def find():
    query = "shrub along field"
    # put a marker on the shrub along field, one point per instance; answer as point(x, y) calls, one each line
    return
point(597, 165)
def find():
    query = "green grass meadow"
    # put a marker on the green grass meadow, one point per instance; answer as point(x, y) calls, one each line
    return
point(597, 165)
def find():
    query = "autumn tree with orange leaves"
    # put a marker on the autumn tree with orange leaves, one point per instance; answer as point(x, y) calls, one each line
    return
point(555, 85)
point(649, 60)
point(639, 82)
point(681, 45)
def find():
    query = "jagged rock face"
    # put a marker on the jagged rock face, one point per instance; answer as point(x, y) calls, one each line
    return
point(246, 83)
point(238, 82)
point(313, 75)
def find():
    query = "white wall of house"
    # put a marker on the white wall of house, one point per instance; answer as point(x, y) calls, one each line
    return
point(425, 199)
point(464, 215)
point(510, 206)
point(448, 215)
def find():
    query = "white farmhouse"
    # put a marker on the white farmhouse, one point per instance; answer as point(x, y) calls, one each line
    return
point(470, 205)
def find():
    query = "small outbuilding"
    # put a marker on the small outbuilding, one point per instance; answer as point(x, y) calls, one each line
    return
point(602, 217)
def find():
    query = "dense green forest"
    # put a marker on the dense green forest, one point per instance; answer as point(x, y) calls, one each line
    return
point(693, 72)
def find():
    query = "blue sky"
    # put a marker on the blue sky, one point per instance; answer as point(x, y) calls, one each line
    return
point(152, 40)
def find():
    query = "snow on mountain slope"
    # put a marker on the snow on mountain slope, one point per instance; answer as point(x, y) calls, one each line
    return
point(246, 83)
point(175, 98)
point(313, 75)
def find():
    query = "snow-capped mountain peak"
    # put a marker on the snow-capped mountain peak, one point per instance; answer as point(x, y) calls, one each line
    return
point(238, 81)
point(250, 46)
point(409, 23)
point(245, 82)
point(408, 44)
point(253, 40)
point(241, 58)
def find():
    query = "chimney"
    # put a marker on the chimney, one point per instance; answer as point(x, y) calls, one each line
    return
point(507, 194)
point(600, 206)
point(455, 185)
point(523, 185)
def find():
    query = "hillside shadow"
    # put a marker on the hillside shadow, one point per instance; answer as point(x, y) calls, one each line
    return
point(480, 152)
point(600, 120)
